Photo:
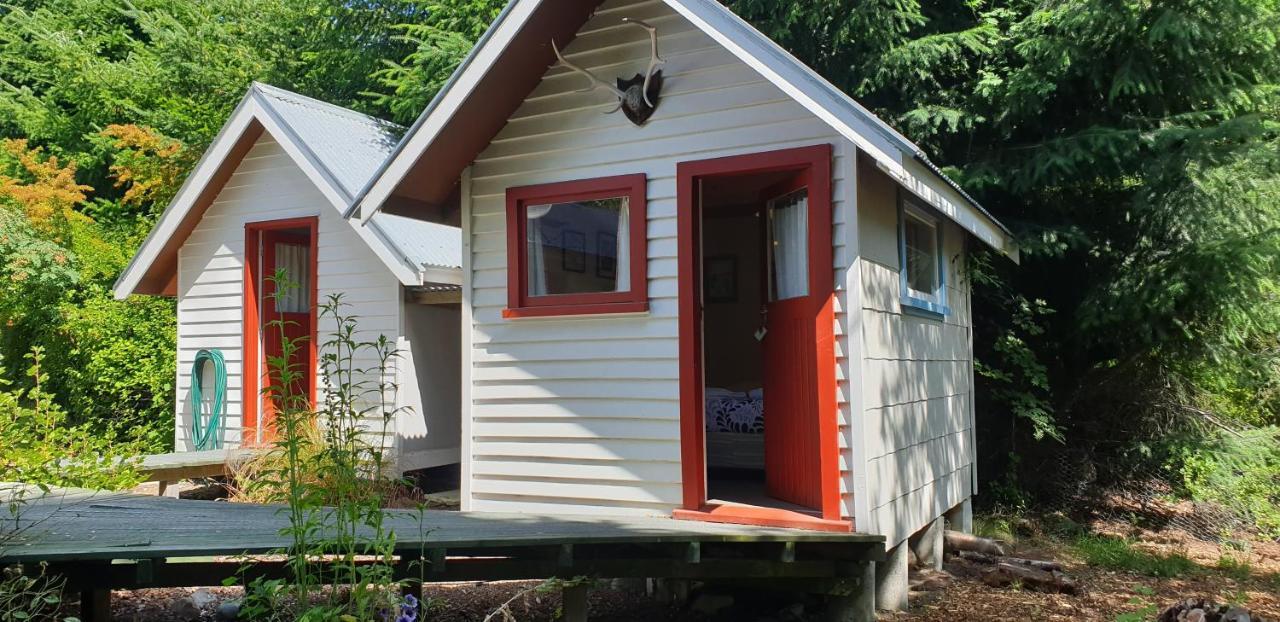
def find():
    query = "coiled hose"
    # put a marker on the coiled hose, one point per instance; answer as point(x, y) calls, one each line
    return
point(207, 433)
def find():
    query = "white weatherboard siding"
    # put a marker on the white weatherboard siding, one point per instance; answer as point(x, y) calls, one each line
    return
point(917, 423)
point(267, 185)
point(576, 414)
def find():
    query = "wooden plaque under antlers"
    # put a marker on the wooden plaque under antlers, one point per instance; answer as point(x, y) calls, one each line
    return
point(638, 96)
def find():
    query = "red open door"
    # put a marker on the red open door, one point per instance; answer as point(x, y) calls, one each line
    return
point(801, 420)
point(272, 247)
point(792, 416)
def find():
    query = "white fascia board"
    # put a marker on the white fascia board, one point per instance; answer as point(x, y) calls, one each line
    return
point(338, 198)
point(442, 275)
point(167, 225)
point(782, 73)
point(449, 104)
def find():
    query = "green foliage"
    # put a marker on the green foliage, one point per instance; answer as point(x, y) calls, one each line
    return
point(41, 448)
point(328, 466)
point(29, 596)
point(1237, 471)
point(1120, 554)
point(441, 39)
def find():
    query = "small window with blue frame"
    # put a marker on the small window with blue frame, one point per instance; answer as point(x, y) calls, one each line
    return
point(923, 277)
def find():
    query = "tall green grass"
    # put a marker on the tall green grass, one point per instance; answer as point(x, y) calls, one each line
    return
point(1115, 553)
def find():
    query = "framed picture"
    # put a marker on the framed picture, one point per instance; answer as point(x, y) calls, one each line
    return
point(574, 256)
point(721, 279)
point(606, 255)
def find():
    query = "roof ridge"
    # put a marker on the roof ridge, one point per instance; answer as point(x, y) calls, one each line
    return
point(298, 98)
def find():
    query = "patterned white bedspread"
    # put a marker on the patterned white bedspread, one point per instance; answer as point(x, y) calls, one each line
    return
point(735, 411)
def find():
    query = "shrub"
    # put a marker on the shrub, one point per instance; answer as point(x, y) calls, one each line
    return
point(39, 448)
point(1238, 471)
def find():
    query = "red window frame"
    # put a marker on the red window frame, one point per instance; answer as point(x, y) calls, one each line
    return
point(521, 304)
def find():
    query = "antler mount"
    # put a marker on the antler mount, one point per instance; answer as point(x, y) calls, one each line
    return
point(639, 95)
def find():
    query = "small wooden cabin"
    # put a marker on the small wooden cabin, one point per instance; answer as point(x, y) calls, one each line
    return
point(727, 292)
point(270, 194)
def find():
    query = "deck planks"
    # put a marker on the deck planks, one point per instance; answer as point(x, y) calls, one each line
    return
point(78, 525)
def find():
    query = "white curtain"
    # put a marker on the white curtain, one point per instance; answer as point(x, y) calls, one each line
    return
point(536, 254)
point(789, 230)
point(294, 260)
point(624, 247)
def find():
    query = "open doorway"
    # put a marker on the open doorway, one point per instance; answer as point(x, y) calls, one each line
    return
point(758, 363)
point(287, 248)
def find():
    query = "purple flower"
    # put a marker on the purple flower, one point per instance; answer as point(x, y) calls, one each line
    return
point(409, 610)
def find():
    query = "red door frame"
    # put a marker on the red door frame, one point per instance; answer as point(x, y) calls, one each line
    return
point(817, 159)
point(253, 372)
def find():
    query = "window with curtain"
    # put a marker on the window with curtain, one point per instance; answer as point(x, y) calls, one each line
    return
point(295, 260)
point(789, 246)
point(577, 247)
point(920, 250)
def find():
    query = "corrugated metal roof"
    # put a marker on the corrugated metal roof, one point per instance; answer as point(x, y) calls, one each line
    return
point(351, 147)
point(429, 244)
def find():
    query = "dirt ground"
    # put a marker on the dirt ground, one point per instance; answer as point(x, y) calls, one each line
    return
point(960, 595)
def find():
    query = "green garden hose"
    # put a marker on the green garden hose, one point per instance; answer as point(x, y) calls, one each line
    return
point(208, 434)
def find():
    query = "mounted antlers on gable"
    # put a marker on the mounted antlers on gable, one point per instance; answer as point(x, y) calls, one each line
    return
point(637, 96)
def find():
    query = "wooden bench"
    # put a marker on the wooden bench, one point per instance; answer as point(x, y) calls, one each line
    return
point(174, 467)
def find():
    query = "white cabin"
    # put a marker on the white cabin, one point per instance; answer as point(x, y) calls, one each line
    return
point(270, 193)
point(752, 307)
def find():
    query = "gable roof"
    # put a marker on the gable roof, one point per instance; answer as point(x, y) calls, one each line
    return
point(338, 149)
point(514, 48)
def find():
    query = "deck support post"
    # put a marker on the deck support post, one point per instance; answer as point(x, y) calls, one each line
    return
point(95, 605)
point(856, 602)
point(891, 580)
point(574, 603)
point(927, 544)
point(961, 517)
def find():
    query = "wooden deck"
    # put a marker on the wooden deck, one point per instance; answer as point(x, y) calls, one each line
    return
point(76, 526)
point(101, 541)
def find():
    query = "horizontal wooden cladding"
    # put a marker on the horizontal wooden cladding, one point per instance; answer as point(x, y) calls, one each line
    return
point(896, 475)
point(581, 414)
point(890, 382)
point(632, 388)
point(588, 470)
point(903, 517)
point(628, 492)
point(557, 407)
point(267, 186)
point(529, 353)
point(577, 449)
point(528, 504)
point(907, 337)
point(890, 428)
point(576, 427)
point(598, 369)
point(882, 292)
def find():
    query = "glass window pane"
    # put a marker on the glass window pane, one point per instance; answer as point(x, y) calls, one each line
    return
point(292, 295)
point(920, 241)
point(789, 246)
point(578, 248)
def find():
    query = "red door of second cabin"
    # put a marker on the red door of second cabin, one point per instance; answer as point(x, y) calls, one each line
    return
point(791, 401)
point(286, 315)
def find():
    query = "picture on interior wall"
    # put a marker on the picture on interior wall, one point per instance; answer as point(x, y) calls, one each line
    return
point(574, 258)
point(606, 262)
point(722, 279)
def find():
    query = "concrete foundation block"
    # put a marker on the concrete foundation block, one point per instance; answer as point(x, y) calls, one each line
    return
point(927, 544)
point(960, 518)
point(574, 603)
point(891, 580)
point(859, 603)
